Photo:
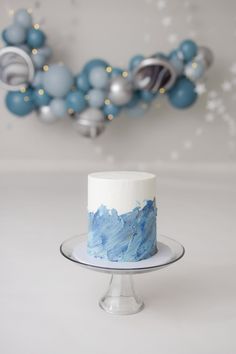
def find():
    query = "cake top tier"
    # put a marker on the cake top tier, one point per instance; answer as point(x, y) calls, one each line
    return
point(120, 190)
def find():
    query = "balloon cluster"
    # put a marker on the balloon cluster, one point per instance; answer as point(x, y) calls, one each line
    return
point(99, 92)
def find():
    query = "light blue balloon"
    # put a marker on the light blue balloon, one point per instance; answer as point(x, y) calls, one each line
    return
point(23, 18)
point(188, 49)
point(25, 48)
point(75, 100)
point(182, 94)
point(135, 61)
point(58, 107)
point(39, 60)
point(20, 103)
point(94, 63)
point(46, 51)
point(38, 79)
point(82, 82)
point(57, 81)
point(195, 70)
point(176, 62)
point(98, 77)
point(111, 109)
point(96, 98)
point(35, 38)
point(15, 34)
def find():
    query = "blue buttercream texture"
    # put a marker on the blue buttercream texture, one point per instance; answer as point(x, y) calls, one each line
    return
point(123, 238)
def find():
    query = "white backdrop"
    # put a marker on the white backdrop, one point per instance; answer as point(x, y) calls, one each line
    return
point(79, 30)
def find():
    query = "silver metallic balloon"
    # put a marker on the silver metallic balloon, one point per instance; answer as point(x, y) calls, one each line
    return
point(16, 68)
point(206, 55)
point(153, 74)
point(120, 91)
point(90, 123)
point(45, 115)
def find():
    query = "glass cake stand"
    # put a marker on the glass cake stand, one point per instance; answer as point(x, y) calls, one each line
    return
point(120, 298)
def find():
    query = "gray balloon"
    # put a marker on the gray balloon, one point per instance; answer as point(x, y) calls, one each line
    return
point(205, 54)
point(45, 115)
point(16, 68)
point(90, 123)
point(120, 91)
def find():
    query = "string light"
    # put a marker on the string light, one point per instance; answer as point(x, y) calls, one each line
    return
point(107, 101)
point(26, 98)
point(36, 26)
point(162, 90)
point(41, 92)
point(108, 69)
point(23, 89)
point(45, 68)
point(30, 11)
point(110, 116)
point(194, 65)
point(34, 51)
point(125, 74)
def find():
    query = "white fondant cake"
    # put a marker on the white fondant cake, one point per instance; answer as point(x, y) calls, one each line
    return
point(122, 215)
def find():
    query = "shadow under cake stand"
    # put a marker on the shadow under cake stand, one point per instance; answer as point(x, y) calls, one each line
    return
point(120, 298)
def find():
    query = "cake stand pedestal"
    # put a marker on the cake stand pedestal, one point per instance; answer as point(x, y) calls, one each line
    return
point(120, 298)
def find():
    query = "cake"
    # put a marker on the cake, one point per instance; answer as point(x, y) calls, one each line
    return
point(122, 216)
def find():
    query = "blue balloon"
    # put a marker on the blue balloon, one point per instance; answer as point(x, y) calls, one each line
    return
point(4, 37)
point(46, 51)
point(176, 62)
point(23, 18)
point(57, 81)
point(20, 103)
point(82, 82)
point(40, 97)
point(39, 60)
point(182, 94)
point(96, 98)
point(35, 38)
point(111, 109)
point(98, 77)
point(58, 107)
point(135, 61)
point(160, 55)
point(95, 63)
point(189, 49)
point(147, 96)
point(116, 72)
point(75, 100)
point(15, 34)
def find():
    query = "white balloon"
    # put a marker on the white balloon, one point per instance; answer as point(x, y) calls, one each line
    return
point(45, 115)
point(120, 91)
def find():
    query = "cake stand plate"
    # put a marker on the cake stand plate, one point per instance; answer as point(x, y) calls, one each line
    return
point(120, 297)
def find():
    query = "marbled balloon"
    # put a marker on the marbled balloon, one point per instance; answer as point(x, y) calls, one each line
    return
point(123, 238)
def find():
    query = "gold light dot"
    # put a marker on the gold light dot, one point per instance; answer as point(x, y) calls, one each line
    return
point(70, 111)
point(162, 90)
point(30, 11)
point(11, 12)
point(23, 89)
point(107, 101)
point(110, 116)
point(36, 26)
point(34, 51)
point(26, 98)
point(41, 92)
point(194, 65)
point(45, 68)
point(108, 69)
point(125, 74)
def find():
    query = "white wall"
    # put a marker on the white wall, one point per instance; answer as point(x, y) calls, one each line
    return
point(79, 30)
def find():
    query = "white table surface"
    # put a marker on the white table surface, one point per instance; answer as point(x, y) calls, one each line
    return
point(48, 305)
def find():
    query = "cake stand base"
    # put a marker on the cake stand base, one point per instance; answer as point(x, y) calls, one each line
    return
point(120, 298)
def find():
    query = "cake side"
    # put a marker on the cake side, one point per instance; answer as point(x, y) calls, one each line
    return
point(122, 215)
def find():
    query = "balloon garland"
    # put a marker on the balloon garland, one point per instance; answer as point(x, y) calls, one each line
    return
point(99, 92)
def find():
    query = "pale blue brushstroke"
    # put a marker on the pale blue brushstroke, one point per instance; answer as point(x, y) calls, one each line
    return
point(123, 238)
